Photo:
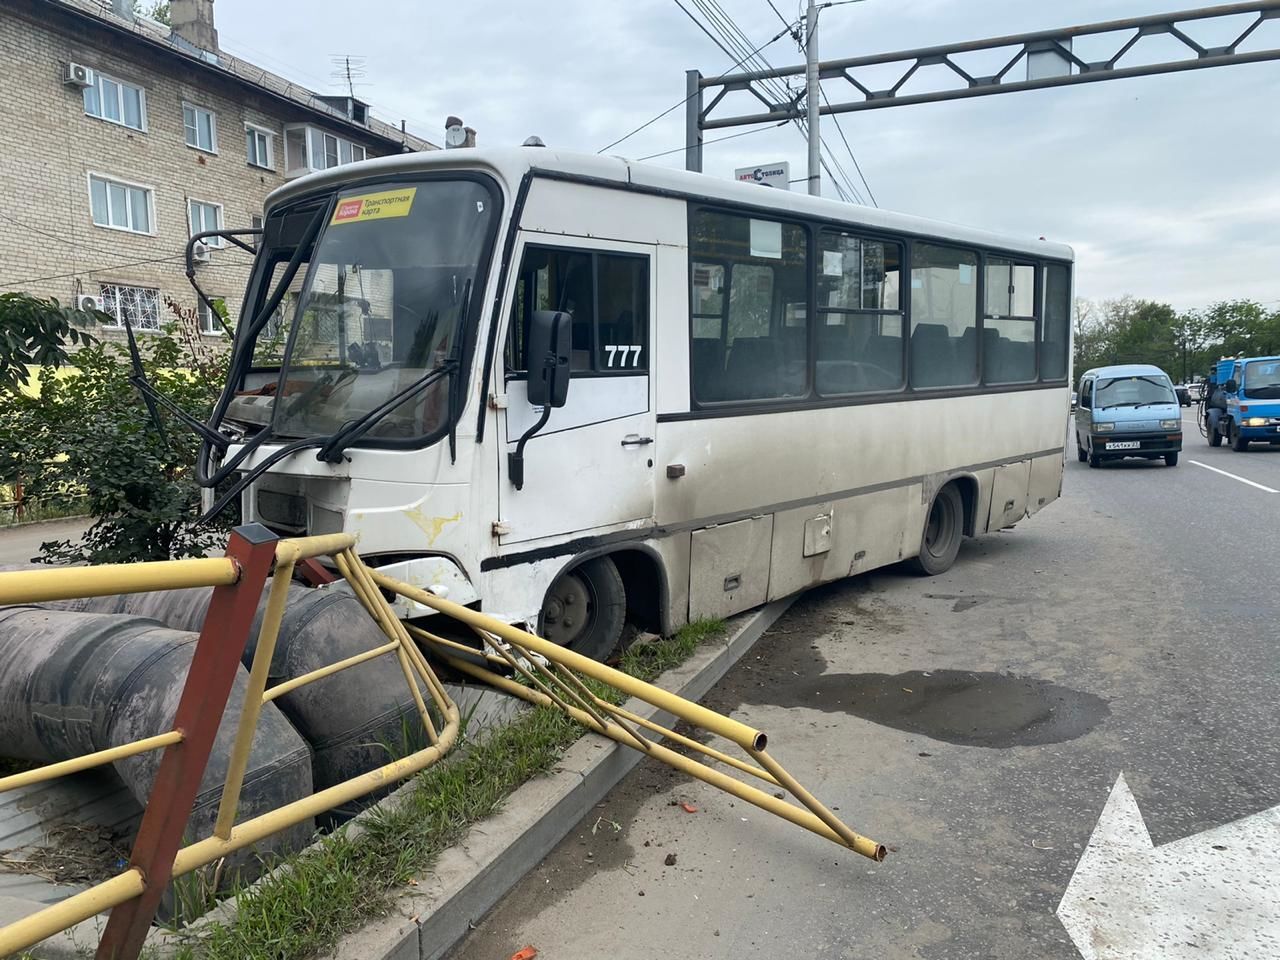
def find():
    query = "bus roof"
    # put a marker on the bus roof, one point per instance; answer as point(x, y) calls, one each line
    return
point(510, 164)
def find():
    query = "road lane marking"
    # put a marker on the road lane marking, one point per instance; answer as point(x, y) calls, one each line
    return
point(1209, 896)
point(1234, 477)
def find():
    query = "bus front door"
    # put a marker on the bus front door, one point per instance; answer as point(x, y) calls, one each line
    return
point(590, 468)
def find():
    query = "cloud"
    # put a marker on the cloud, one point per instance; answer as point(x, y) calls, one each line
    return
point(1164, 185)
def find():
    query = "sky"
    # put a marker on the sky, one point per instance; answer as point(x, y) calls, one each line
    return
point(1168, 187)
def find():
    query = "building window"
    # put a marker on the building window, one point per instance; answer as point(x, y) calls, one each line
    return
point(258, 147)
point(944, 316)
point(120, 206)
point(140, 306)
point(749, 289)
point(205, 216)
point(201, 128)
point(116, 102)
point(210, 322)
point(308, 149)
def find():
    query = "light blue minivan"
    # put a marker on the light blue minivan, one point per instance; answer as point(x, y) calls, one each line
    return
point(1129, 410)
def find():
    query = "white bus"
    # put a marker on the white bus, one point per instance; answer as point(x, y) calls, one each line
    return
point(749, 391)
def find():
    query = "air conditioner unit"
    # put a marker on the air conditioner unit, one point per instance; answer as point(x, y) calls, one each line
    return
point(200, 253)
point(77, 75)
point(87, 303)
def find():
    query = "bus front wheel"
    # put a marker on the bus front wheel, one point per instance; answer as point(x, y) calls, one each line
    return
point(585, 609)
point(943, 530)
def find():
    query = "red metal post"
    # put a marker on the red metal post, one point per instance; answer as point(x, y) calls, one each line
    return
point(204, 698)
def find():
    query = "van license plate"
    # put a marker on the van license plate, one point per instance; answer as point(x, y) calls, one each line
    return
point(1124, 445)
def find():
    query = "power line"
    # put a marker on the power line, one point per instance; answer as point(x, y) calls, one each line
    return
point(857, 166)
point(681, 103)
point(732, 136)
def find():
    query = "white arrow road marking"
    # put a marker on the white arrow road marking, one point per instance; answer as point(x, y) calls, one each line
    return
point(1213, 895)
point(1233, 476)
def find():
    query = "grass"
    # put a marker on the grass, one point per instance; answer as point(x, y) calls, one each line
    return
point(343, 882)
point(34, 511)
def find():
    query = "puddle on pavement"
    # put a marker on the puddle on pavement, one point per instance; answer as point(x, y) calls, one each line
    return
point(955, 706)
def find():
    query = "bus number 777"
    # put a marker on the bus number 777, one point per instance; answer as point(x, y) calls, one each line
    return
point(620, 352)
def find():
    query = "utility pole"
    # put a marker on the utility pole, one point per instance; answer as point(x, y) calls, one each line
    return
point(813, 98)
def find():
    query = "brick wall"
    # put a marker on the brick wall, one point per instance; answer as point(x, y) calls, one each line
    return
point(49, 244)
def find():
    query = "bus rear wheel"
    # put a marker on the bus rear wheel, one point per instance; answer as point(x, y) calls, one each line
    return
point(585, 609)
point(943, 530)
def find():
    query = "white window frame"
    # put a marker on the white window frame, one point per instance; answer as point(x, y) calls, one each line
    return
point(128, 184)
point(267, 134)
point(221, 222)
point(203, 313)
point(315, 158)
point(213, 127)
point(119, 322)
point(98, 77)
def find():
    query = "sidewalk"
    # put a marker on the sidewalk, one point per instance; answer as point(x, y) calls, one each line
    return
point(20, 544)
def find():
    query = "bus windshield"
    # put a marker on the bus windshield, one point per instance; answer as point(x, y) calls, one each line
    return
point(1262, 379)
point(382, 307)
point(1136, 391)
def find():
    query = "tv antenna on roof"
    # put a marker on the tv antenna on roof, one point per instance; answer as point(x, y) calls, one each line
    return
point(348, 71)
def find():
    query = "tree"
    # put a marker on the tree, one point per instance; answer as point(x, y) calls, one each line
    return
point(36, 333)
point(89, 436)
point(157, 11)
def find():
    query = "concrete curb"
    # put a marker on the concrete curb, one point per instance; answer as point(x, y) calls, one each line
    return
point(470, 878)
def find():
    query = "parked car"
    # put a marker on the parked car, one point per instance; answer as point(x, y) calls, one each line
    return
point(1127, 411)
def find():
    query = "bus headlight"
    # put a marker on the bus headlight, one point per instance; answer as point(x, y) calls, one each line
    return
point(1256, 422)
point(1103, 427)
point(1170, 424)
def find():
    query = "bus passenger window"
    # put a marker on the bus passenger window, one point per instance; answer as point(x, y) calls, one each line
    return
point(859, 337)
point(1009, 322)
point(944, 316)
point(1056, 329)
point(753, 343)
point(607, 295)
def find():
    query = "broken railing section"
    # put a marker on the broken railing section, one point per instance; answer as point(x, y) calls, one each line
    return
point(238, 578)
point(552, 676)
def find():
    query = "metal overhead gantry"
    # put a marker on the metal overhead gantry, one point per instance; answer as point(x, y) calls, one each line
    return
point(1047, 54)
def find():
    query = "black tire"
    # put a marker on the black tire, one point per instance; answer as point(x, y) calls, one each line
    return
point(1171, 459)
point(1081, 455)
point(1215, 438)
point(1095, 461)
point(1238, 443)
point(595, 588)
point(943, 531)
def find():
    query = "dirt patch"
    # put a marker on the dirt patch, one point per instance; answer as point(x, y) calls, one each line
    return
point(74, 852)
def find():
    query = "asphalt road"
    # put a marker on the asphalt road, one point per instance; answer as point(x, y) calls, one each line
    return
point(976, 723)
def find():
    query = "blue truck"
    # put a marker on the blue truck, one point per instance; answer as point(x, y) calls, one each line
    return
point(1242, 402)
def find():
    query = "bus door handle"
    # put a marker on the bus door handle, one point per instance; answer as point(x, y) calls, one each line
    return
point(635, 440)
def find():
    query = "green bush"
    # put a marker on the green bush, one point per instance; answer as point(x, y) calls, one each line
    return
point(89, 436)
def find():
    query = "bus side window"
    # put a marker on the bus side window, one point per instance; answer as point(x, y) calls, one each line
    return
point(1056, 326)
point(859, 335)
point(944, 316)
point(606, 294)
point(1009, 322)
point(753, 343)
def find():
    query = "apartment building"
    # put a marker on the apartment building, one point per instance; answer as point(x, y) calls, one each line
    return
point(120, 138)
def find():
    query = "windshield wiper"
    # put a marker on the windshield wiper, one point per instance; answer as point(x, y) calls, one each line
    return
point(353, 430)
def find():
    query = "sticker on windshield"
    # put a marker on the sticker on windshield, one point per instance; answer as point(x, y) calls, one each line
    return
point(374, 206)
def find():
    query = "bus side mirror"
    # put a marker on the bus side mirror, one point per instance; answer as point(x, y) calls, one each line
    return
point(550, 350)
point(1231, 386)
